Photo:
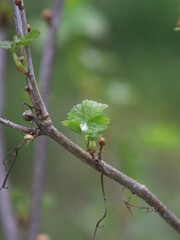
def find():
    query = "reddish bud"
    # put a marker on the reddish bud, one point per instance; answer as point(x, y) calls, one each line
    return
point(26, 88)
point(28, 27)
point(102, 142)
point(47, 15)
point(42, 237)
point(21, 59)
point(18, 3)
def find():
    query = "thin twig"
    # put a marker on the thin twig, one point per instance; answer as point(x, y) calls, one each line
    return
point(105, 207)
point(129, 205)
point(101, 146)
point(18, 127)
point(14, 152)
point(21, 27)
point(140, 190)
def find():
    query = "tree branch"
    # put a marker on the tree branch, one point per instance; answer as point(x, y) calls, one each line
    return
point(140, 190)
point(18, 127)
point(9, 225)
point(42, 143)
point(21, 27)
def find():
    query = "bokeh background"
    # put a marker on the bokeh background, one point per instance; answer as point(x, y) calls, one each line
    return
point(125, 54)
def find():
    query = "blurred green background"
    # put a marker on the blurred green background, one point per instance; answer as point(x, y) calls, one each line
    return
point(125, 54)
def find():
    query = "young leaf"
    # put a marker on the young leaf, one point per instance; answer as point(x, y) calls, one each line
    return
point(22, 67)
point(31, 36)
point(19, 41)
point(27, 39)
point(88, 119)
point(6, 44)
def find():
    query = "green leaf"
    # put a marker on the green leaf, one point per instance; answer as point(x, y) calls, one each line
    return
point(27, 39)
point(6, 44)
point(73, 124)
point(88, 119)
point(31, 36)
point(19, 41)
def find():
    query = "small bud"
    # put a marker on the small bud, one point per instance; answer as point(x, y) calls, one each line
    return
point(4, 16)
point(28, 138)
point(102, 142)
point(42, 237)
point(92, 145)
point(47, 15)
point(28, 115)
point(26, 88)
point(18, 3)
point(28, 27)
point(21, 59)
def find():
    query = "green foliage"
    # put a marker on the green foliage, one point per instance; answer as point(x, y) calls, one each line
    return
point(20, 65)
point(15, 46)
point(19, 41)
point(24, 41)
point(88, 119)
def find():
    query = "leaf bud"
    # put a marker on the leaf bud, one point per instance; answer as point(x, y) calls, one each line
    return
point(28, 115)
point(28, 27)
point(26, 88)
point(102, 142)
point(28, 138)
point(92, 145)
point(21, 59)
point(42, 237)
point(47, 15)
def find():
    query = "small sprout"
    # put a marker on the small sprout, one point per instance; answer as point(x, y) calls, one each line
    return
point(88, 120)
point(28, 27)
point(102, 142)
point(18, 41)
point(47, 15)
point(21, 66)
point(28, 138)
point(28, 115)
point(92, 145)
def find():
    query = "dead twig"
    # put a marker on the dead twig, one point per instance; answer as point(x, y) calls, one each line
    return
point(129, 205)
point(105, 207)
point(101, 145)
point(14, 153)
